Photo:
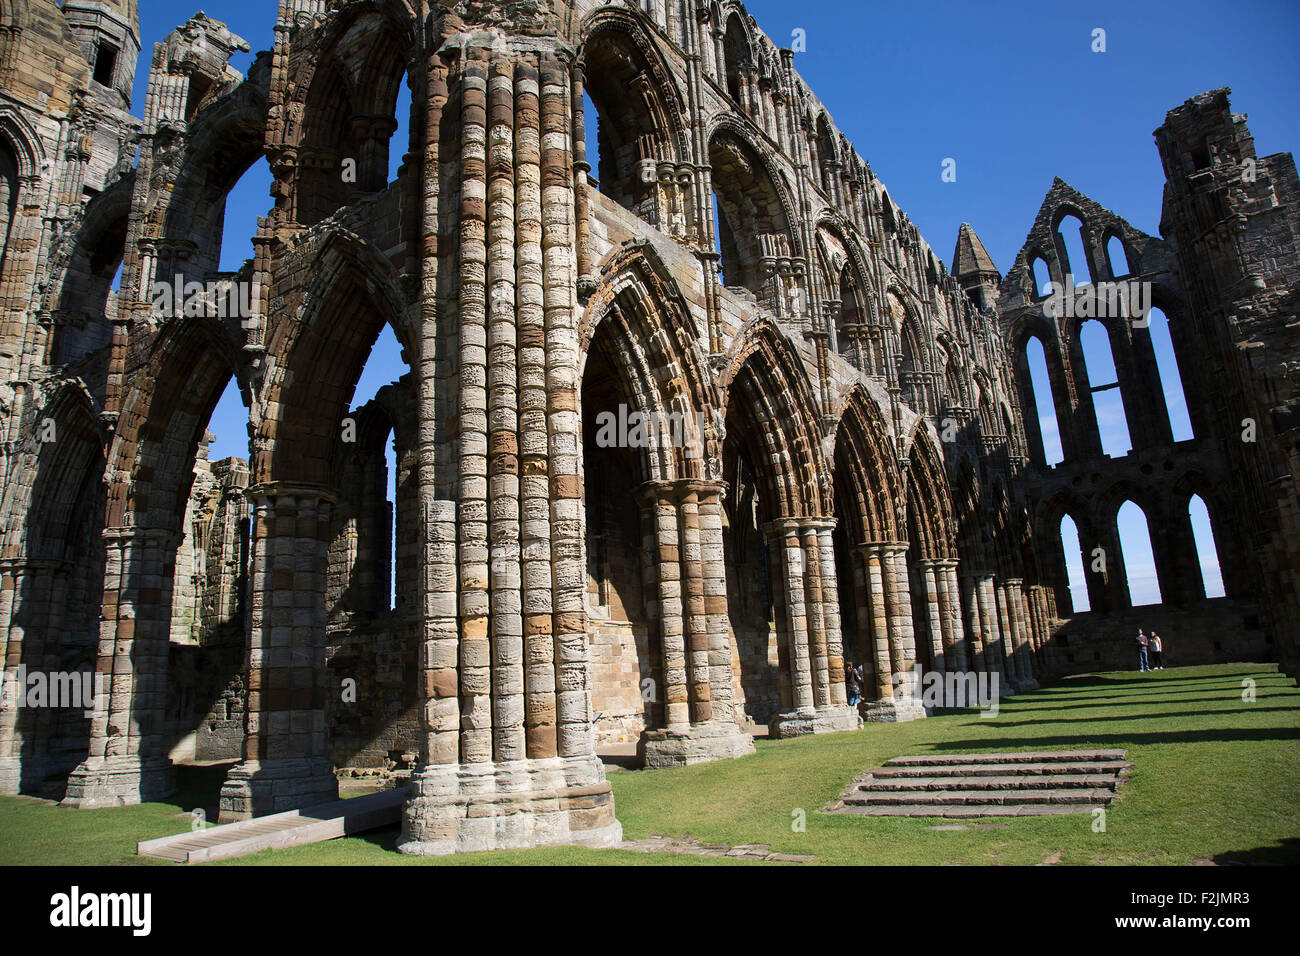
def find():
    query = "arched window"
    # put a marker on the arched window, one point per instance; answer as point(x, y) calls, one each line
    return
point(1042, 275)
point(1076, 581)
point(377, 511)
point(825, 156)
point(1206, 549)
point(1075, 262)
point(1139, 559)
point(735, 47)
point(249, 199)
point(1171, 379)
point(8, 196)
point(751, 220)
point(1048, 429)
point(851, 316)
point(1103, 383)
point(1117, 256)
point(627, 122)
point(399, 143)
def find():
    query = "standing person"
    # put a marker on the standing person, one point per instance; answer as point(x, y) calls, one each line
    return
point(852, 683)
point(1143, 643)
point(1157, 652)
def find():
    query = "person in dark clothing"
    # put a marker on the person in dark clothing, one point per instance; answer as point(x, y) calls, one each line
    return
point(1143, 644)
point(1157, 650)
point(852, 683)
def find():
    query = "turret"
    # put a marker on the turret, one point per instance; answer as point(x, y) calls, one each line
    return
point(108, 32)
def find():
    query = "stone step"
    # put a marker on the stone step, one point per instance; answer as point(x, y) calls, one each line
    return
point(292, 828)
point(1037, 756)
point(1053, 781)
point(1000, 769)
point(969, 811)
point(939, 798)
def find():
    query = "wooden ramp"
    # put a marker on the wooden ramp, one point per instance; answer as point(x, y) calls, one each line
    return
point(292, 828)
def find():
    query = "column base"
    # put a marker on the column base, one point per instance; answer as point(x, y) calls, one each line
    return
point(11, 776)
point(1027, 683)
point(258, 787)
point(892, 710)
point(699, 743)
point(824, 720)
point(119, 782)
point(556, 801)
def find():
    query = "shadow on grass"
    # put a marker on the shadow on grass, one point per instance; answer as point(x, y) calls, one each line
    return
point(1285, 853)
point(1182, 715)
point(1089, 740)
point(199, 788)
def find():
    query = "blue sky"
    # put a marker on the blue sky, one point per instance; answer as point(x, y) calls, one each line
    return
point(1012, 91)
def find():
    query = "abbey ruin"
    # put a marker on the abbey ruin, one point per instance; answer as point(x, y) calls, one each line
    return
point(859, 475)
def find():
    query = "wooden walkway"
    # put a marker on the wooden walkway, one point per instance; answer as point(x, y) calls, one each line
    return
point(292, 828)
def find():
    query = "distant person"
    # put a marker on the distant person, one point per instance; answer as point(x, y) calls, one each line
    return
point(1143, 644)
point(1157, 652)
point(852, 683)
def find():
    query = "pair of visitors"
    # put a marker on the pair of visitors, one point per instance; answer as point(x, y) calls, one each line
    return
point(1157, 652)
point(1144, 644)
point(853, 682)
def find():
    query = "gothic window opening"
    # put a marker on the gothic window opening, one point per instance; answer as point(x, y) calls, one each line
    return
point(1103, 383)
point(1075, 265)
point(1042, 427)
point(1207, 554)
point(1072, 550)
point(1171, 379)
point(1137, 556)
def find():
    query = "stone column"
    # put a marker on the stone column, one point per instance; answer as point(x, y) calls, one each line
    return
point(127, 761)
point(286, 764)
point(930, 573)
point(974, 622)
point(1022, 634)
point(991, 633)
point(31, 603)
point(694, 631)
point(831, 612)
point(954, 637)
point(526, 772)
point(814, 709)
point(891, 607)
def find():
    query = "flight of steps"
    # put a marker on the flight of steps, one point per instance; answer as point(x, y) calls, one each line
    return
point(987, 785)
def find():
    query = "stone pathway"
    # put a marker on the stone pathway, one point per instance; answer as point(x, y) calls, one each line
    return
point(748, 851)
point(987, 785)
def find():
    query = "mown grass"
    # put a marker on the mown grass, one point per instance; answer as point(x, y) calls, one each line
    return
point(1215, 778)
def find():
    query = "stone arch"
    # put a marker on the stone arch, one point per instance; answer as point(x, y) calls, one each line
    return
point(766, 389)
point(21, 157)
point(181, 232)
point(651, 345)
point(63, 456)
point(610, 38)
point(929, 499)
point(827, 154)
point(1030, 325)
point(315, 357)
point(81, 295)
point(344, 82)
point(868, 488)
point(738, 56)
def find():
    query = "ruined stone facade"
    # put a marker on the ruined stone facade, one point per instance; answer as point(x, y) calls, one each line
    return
point(839, 468)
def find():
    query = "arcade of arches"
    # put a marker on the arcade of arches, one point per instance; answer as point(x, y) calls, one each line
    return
point(681, 432)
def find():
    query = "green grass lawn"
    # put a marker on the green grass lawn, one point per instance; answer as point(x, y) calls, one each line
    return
point(1215, 778)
